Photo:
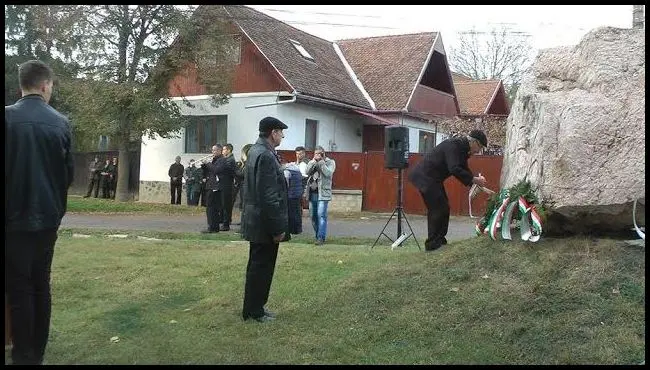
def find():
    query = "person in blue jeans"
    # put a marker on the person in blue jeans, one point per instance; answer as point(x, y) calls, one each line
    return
point(319, 184)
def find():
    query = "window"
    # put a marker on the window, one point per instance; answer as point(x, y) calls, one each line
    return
point(427, 141)
point(301, 49)
point(311, 131)
point(202, 132)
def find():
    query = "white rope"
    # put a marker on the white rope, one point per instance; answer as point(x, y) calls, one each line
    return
point(636, 227)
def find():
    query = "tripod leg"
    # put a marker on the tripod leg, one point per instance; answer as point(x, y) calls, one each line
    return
point(410, 228)
point(382, 230)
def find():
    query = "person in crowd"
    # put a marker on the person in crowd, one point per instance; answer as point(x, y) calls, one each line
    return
point(449, 158)
point(175, 173)
point(239, 177)
point(213, 190)
point(105, 180)
point(319, 186)
point(93, 177)
point(296, 190)
point(226, 175)
point(265, 217)
point(113, 188)
point(39, 170)
point(193, 183)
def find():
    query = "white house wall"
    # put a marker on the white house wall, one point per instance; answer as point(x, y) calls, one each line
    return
point(415, 126)
point(336, 129)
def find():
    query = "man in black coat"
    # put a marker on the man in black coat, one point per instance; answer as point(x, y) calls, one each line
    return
point(213, 190)
point(176, 172)
point(446, 159)
point(93, 177)
point(38, 172)
point(226, 174)
point(265, 218)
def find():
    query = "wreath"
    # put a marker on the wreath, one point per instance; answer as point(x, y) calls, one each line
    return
point(518, 203)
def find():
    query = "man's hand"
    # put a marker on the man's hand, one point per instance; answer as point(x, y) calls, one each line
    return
point(278, 238)
point(480, 180)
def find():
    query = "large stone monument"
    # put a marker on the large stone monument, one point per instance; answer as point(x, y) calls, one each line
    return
point(577, 131)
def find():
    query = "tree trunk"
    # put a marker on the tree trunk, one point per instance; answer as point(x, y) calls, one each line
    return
point(122, 190)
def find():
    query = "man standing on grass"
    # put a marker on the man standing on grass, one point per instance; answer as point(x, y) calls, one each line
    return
point(213, 190)
point(265, 217)
point(175, 173)
point(38, 172)
point(446, 159)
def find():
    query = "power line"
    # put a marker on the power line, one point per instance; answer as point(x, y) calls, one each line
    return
point(321, 13)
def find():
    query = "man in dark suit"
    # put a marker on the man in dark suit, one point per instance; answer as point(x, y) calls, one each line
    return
point(265, 219)
point(446, 159)
point(38, 172)
point(93, 177)
point(227, 180)
point(175, 173)
point(213, 190)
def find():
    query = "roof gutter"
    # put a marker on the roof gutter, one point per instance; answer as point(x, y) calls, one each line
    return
point(330, 102)
point(276, 102)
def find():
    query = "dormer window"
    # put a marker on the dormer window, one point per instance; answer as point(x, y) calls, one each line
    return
point(301, 49)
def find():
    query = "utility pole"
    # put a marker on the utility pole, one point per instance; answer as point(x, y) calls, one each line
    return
point(638, 17)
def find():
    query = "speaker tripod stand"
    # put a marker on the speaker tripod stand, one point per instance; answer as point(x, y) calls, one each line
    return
point(399, 210)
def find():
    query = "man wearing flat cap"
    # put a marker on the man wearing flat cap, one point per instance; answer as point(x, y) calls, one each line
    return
point(446, 159)
point(265, 217)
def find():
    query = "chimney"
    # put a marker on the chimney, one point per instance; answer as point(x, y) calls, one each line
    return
point(637, 16)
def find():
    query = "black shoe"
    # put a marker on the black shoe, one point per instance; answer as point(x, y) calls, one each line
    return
point(224, 228)
point(262, 318)
point(432, 248)
point(444, 241)
point(207, 231)
point(86, 196)
point(269, 313)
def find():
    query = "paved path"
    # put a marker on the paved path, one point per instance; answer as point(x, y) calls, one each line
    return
point(363, 227)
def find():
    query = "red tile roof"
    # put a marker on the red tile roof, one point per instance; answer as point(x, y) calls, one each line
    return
point(388, 66)
point(474, 96)
point(324, 77)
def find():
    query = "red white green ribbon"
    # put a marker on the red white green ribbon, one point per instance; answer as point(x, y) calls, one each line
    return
point(501, 218)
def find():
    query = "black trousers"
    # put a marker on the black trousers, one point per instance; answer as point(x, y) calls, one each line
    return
point(227, 203)
point(28, 261)
point(295, 215)
point(106, 187)
point(213, 209)
point(435, 198)
point(176, 189)
point(94, 183)
point(259, 275)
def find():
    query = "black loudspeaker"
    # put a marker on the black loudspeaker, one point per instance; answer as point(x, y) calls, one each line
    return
point(396, 147)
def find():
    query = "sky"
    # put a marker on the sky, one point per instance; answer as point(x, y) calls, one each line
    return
point(548, 25)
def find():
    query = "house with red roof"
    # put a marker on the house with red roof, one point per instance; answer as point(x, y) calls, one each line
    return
point(336, 94)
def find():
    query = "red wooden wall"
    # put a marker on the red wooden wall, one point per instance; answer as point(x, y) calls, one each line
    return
point(365, 171)
point(253, 74)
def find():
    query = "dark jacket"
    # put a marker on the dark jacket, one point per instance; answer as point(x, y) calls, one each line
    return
point(226, 169)
point(446, 159)
point(176, 170)
point(210, 173)
point(265, 212)
point(239, 173)
point(94, 169)
point(38, 165)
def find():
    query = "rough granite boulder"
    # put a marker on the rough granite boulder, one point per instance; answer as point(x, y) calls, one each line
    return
point(577, 131)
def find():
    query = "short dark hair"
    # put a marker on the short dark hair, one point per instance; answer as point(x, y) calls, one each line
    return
point(33, 73)
point(265, 134)
point(218, 146)
point(300, 149)
point(229, 146)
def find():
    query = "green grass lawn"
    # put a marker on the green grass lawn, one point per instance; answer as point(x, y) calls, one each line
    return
point(178, 301)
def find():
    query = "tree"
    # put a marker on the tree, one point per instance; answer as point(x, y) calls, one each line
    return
point(119, 94)
point(498, 54)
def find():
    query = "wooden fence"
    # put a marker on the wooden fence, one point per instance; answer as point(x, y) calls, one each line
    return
point(366, 172)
